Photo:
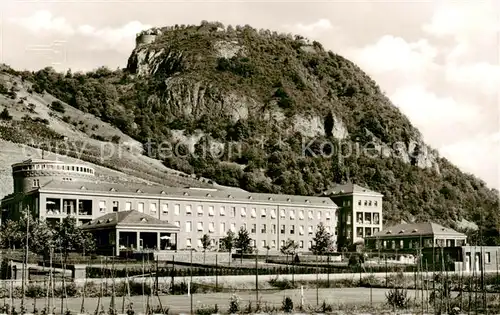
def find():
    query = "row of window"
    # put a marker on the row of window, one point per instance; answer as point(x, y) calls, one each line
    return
point(409, 244)
point(200, 211)
point(347, 203)
point(368, 231)
point(263, 228)
point(263, 243)
point(368, 218)
point(54, 167)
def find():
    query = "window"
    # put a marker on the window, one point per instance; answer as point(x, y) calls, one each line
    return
point(282, 243)
point(177, 223)
point(200, 210)
point(310, 215)
point(368, 231)
point(263, 243)
point(36, 183)
point(301, 215)
point(263, 213)
point(211, 211)
point(252, 243)
point(487, 257)
point(188, 242)
point(254, 228)
point(301, 230)
point(102, 206)
point(243, 212)
point(140, 206)
point(359, 217)
point(273, 229)
point(244, 226)
point(328, 215)
point(200, 243)
point(292, 229)
point(233, 212)
point(359, 232)
point(263, 229)
point(211, 227)
point(282, 213)
point(319, 215)
point(200, 227)
point(359, 202)
point(233, 227)
point(401, 244)
point(115, 206)
point(273, 244)
point(128, 206)
point(282, 230)
point(301, 244)
point(222, 228)
point(309, 245)
point(222, 211)
point(153, 207)
point(164, 208)
point(375, 203)
point(366, 202)
point(273, 214)
point(254, 213)
point(189, 226)
point(177, 209)
point(368, 217)
point(310, 230)
point(292, 214)
point(189, 209)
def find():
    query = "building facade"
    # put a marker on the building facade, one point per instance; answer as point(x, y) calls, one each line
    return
point(359, 213)
point(51, 190)
point(409, 237)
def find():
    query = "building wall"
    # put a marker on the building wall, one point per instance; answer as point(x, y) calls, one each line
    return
point(350, 206)
point(197, 217)
point(475, 256)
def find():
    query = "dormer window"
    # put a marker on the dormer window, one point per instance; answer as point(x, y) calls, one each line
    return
point(83, 188)
point(112, 189)
point(401, 232)
point(388, 232)
point(250, 197)
point(414, 231)
point(110, 220)
point(138, 191)
point(289, 200)
point(186, 194)
point(144, 220)
point(163, 192)
point(208, 195)
point(270, 198)
point(229, 196)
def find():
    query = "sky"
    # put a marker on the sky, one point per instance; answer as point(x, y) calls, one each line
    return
point(438, 61)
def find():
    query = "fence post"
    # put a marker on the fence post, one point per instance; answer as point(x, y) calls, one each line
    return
point(216, 273)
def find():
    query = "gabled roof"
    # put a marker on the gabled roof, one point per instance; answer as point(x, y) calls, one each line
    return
point(199, 193)
point(349, 189)
point(127, 218)
point(417, 229)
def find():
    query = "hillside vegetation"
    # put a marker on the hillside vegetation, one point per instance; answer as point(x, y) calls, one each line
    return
point(258, 99)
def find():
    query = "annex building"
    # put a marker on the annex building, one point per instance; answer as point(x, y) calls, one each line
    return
point(150, 216)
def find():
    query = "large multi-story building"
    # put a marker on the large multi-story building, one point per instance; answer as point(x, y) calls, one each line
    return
point(359, 213)
point(51, 190)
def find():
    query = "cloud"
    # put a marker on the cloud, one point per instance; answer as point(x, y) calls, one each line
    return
point(478, 155)
point(482, 77)
point(434, 116)
point(42, 22)
point(394, 54)
point(120, 38)
point(312, 29)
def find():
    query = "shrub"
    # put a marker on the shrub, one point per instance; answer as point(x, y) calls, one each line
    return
point(287, 305)
point(207, 310)
point(57, 106)
point(398, 298)
point(5, 115)
point(234, 304)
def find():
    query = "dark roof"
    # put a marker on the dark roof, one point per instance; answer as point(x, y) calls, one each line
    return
point(407, 229)
point(348, 189)
point(201, 193)
point(128, 218)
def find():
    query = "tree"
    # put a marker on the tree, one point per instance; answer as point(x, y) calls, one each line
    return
point(289, 248)
point(68, 237)
point(58, 107)
point(205, 243)
point(323, 242)
point(242, 242)
point(228, 243)
point(5, 115)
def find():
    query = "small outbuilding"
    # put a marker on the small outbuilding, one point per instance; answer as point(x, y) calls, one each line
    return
point(131, 230)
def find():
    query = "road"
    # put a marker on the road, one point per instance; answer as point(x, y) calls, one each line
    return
point(179, 304)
